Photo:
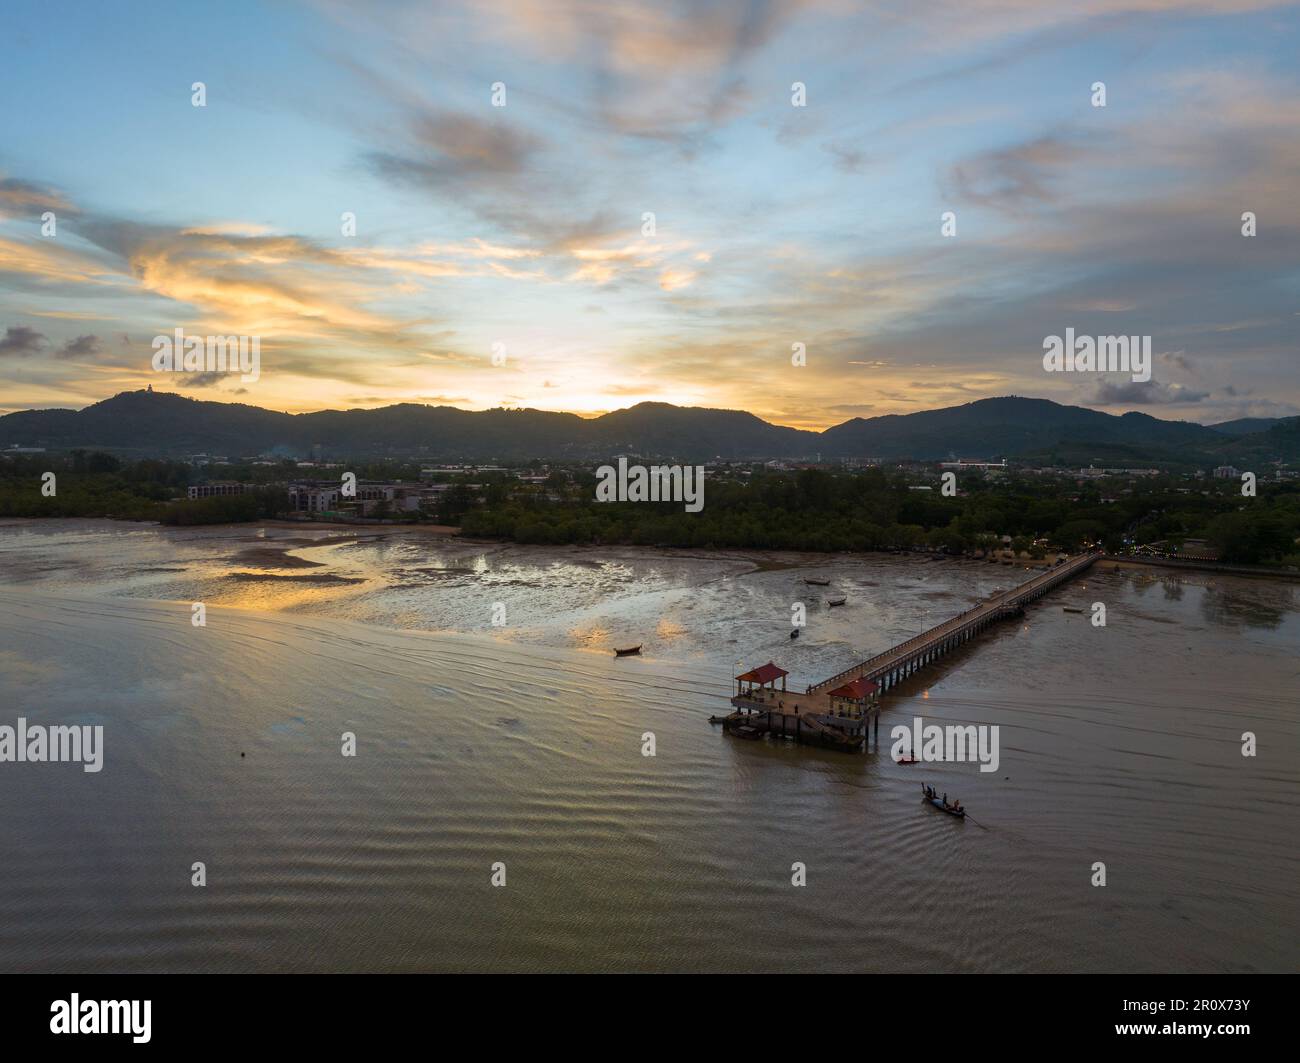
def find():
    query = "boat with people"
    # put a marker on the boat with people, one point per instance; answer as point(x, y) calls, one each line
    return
point(941, 803)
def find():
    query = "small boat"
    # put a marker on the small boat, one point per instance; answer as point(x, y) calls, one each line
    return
point(817, 582)
point(743, 730)
point(1071, 609)
point(907, 760)
point(794, 634)
point(960, 813)
point(836, 601)
point(632, 651)
point(938, 803)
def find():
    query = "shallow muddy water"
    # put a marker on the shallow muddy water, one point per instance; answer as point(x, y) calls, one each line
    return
point(521, 744)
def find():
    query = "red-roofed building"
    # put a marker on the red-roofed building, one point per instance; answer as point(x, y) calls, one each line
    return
point(764, 674)
point(854, 697)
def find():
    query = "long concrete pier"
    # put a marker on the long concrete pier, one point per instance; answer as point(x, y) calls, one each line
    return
point(897, 663)
point(837, 711)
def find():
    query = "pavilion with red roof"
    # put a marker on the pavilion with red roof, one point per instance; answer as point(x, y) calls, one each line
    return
point(764, 675)
point(854, 698)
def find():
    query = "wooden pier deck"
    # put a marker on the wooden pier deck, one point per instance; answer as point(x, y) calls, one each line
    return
point(810, 716)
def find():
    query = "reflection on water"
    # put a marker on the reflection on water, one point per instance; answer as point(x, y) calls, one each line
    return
point(523, 744)
point(729, 603)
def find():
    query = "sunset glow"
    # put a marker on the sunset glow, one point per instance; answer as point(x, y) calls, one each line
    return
point(522, 228)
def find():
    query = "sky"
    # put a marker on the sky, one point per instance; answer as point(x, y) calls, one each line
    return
point(583, 204)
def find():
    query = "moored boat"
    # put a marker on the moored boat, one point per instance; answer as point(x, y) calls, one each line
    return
point(836, 601)
point(631, 651)
point(817, 582)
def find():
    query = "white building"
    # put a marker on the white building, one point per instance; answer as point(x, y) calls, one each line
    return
point(314, 498)
point(328, 497)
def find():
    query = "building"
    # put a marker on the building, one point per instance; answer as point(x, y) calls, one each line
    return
point(1198, 550)
point(855, 698)
point(1227, 472)
point(756, 680)
point(397, 497)
point(314, 497)
point(968, 464)
point(218, 488)
point(1190, 550)
point(430, 471)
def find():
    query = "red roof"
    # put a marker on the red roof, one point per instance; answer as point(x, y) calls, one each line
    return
point(857, 689)
point(763, 674)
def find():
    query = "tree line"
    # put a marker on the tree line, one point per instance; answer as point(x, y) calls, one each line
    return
point(812, 509)
point(818, 510)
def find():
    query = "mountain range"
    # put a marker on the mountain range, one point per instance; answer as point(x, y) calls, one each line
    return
point(149, 423)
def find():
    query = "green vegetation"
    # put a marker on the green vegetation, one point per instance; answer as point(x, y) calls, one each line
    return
point(258, 504)
point(812, 509)
point(100, 485)
point(874, 510)
point(89, 485)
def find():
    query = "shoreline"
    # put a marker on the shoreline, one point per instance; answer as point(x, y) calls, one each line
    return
point(1258, 571)
point(763, 560)
point(439, 530)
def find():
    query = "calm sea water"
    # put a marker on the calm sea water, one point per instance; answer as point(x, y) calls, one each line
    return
point(522, 745)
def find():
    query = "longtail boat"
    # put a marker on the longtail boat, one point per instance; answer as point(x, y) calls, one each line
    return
point(938, 803)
